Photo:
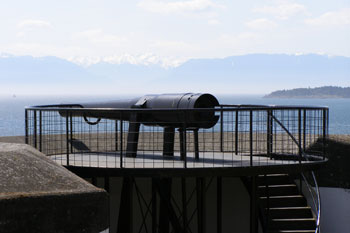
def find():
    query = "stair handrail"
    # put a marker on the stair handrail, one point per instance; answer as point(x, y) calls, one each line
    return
point(318, 204)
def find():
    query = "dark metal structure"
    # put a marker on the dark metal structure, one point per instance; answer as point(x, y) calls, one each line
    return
point(168, 120)
point(213, 141)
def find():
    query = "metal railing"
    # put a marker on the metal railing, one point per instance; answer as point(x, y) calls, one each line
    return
point(313, 190)
point(245, 135)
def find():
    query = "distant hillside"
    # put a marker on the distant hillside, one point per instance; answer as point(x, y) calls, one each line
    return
point(318, 92)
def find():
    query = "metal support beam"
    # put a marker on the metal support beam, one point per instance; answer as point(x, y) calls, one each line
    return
point(125, 220)
point(167, 213)
point(253, 206)
point(219, 204)
point(154, 206)
point(200, 183)
point(164, 190)
point(184, 204)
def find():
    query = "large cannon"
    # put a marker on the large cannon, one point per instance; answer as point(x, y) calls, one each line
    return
point(169, 120)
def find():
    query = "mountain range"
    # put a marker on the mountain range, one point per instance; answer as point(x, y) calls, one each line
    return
point(245, 74)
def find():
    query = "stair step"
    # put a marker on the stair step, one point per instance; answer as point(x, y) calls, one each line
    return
point(278, 190)
point(274, 179)
point(284, 201)
point(293, 224)
point(290, 212)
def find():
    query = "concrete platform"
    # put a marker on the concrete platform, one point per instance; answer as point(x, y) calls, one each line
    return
point(38, 195)
point(146, 159)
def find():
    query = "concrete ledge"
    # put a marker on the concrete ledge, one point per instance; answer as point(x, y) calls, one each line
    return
point(38, 195)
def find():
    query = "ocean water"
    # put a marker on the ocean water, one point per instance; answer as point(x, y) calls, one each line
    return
point(12, 108)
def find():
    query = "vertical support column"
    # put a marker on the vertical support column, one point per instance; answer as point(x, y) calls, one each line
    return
point(253, 207)
point(236, 132)
point(219, 204)
point(35, 131)
point(164, 186)
point(40, 131)
point(154, 206)
point(184, 204)
point(125, 220)
point(251, 137)
point(133, 136)
point(67, 139)
point(221, 130)
point(196, 144)
point(168, 141)
point(200, 183)
point(26, 126)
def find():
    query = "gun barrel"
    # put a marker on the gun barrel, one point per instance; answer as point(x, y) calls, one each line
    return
point(162, 101)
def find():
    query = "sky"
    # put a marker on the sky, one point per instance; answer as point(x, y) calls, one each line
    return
point(171, 32)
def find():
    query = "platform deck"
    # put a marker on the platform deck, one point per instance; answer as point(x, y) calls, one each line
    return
point(146, 159)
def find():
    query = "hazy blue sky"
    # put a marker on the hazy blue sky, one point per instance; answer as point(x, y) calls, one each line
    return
point(169, 32)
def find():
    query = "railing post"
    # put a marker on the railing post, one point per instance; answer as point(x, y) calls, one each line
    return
point(221, 130)
point(26, 126)
point(251, 136)
point(116, 135)
point(269, 133)
point(325, 126)
point(71, 132)
point(121, 140)
point(40, 131)
point(184, 140)
point(67, 138)
point(236, 133)
point(304, 130)
point(35, 130)
point(299, 135)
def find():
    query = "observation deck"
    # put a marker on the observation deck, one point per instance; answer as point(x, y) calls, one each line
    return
point(247, 139)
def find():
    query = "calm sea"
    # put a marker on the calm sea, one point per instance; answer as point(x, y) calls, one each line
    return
point(12, 109)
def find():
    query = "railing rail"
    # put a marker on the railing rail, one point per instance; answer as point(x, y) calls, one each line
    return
point(247, 133)
point(314, 193)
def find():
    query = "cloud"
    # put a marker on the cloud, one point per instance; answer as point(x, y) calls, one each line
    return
point(332, 18)
point(34, 23)
point(261, 24)
point(282, 11)
point(158, 6)
point(98, 36)
point(213, 22)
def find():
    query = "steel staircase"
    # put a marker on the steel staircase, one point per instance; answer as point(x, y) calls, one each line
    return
point(283, 207)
